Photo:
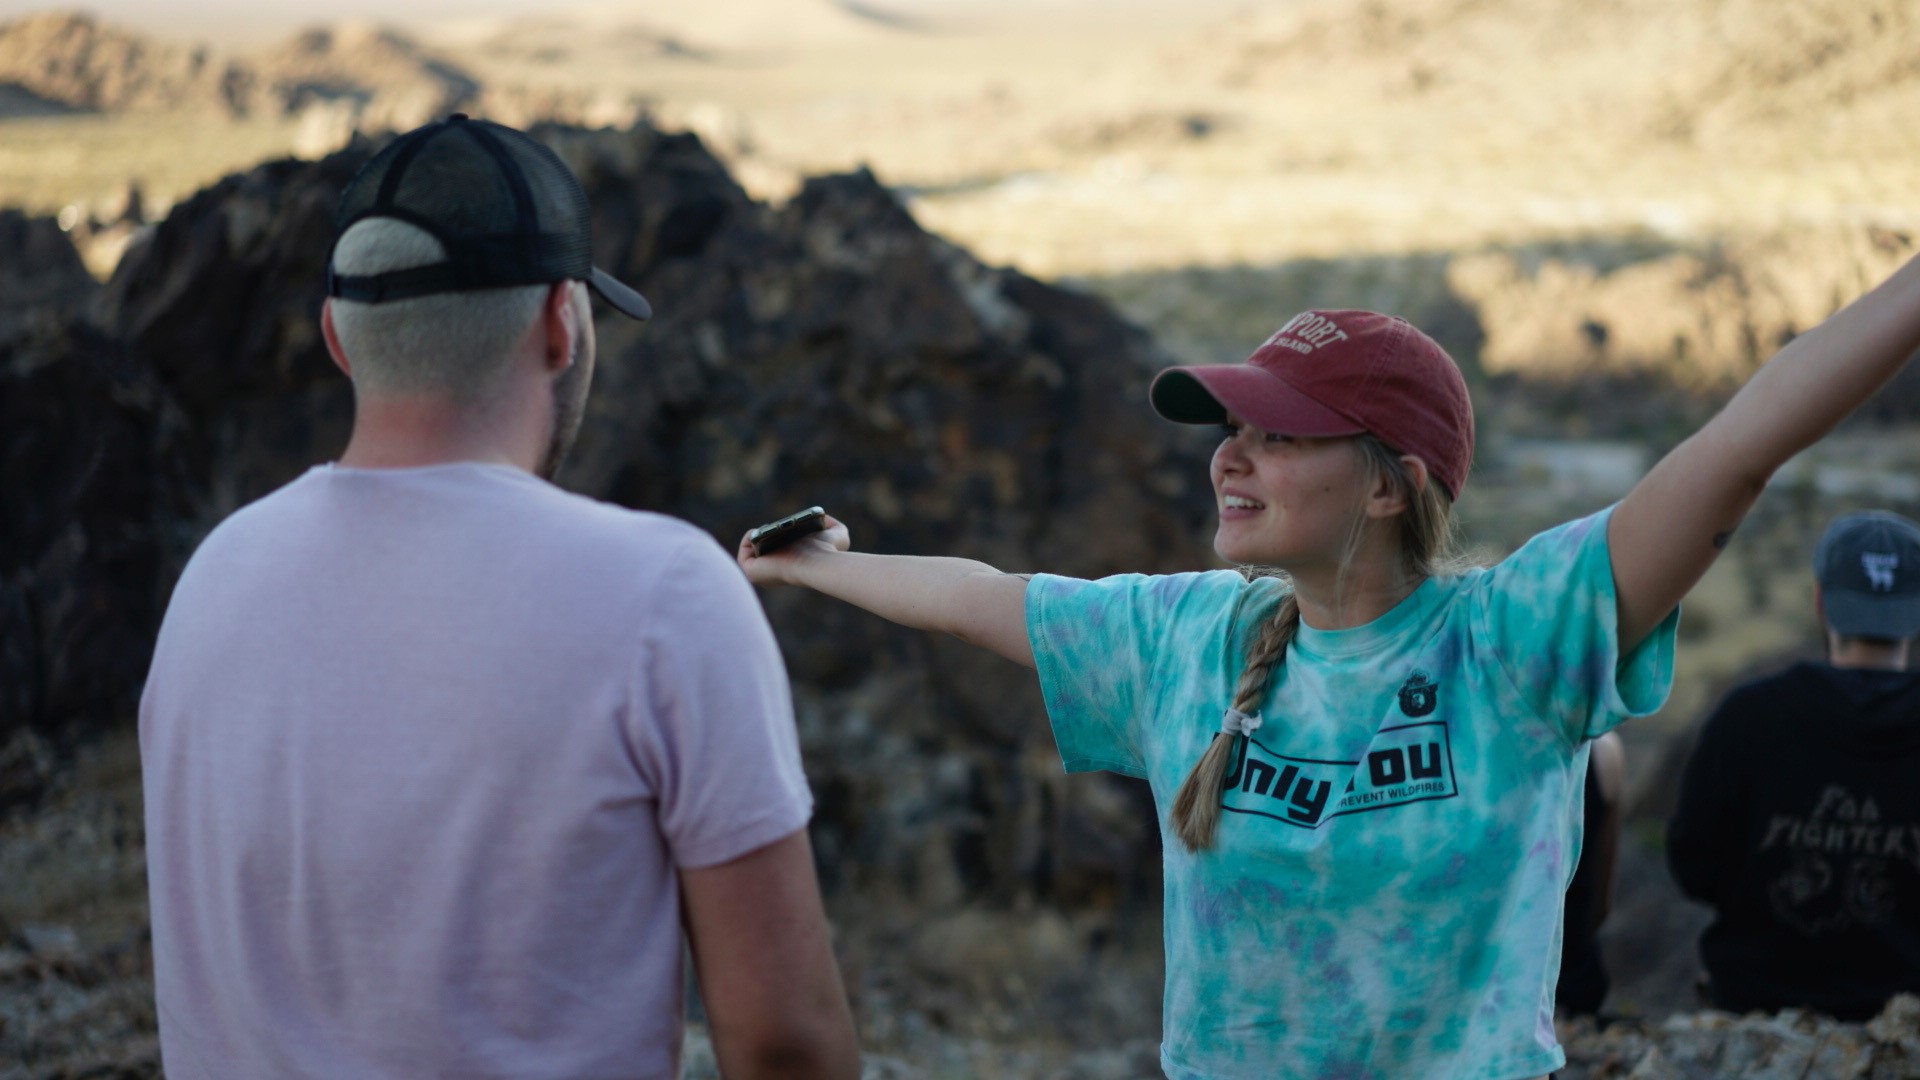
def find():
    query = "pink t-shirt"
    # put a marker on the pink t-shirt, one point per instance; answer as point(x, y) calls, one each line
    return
point(424, 749)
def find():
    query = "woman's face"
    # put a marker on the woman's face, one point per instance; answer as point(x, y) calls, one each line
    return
point(1286, 501)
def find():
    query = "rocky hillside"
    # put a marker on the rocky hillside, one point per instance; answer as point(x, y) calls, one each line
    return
point(394, 82)
point(347, 76)
point(73, 61)
point(1845, 63)
point(1716, 71)
point(738, 27)
point(1702, 315)
point(382, 79)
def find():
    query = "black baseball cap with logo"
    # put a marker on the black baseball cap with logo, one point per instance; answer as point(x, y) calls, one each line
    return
point(505, 207)
point(1868, 566)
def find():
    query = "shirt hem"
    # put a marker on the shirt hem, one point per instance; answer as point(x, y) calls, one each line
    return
point(1553, 1062)
point(1089, 764)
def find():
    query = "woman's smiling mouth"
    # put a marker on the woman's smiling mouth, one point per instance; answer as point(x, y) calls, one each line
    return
point(1239, 506)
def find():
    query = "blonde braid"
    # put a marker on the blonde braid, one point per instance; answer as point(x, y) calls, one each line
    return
point(1196, 807)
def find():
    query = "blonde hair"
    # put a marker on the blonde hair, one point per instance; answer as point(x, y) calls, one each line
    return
point(1426, 548)
point(459, 344)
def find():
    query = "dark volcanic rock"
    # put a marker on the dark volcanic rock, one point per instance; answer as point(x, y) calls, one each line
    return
point(221, 305)
point(832, 352)
point(42, 279)
point(79, 576)
point(828, 351)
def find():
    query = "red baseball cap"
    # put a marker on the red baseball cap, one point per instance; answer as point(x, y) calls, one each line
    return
point(1328, 373)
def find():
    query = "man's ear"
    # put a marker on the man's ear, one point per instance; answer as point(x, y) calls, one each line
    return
point(332, 337)
point(561, 325)
point(1819, 603)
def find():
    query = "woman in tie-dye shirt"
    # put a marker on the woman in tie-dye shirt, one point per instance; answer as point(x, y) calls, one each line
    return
point(1369, 764)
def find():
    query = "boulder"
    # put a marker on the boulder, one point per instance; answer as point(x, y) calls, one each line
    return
point(1702, 316)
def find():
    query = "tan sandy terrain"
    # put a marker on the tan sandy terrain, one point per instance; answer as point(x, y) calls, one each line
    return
point(1118, 142)
point(1088, 138)
point(1097, 138)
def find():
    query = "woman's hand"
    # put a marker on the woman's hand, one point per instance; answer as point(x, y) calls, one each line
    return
point(970, 600)
point(777, 567)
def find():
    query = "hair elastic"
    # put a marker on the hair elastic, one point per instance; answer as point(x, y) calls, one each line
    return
point(1239, 723)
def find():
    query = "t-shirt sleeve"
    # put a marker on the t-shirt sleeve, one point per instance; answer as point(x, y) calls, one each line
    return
point(1097, 646)
point(1548, 615)
point(716, 734)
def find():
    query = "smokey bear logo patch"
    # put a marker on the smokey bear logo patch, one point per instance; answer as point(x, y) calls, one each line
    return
point(1419, 695)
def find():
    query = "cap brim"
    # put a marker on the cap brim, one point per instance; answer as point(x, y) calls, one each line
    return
point(623, 298)
point(1206, 394)
point(1884, 617)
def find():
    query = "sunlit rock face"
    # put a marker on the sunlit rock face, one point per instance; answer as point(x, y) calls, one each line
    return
point(67, 61)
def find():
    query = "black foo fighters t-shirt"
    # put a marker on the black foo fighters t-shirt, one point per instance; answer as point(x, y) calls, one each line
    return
point(1799, 822)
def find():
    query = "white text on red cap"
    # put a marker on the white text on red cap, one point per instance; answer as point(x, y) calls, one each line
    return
point(1309, 331)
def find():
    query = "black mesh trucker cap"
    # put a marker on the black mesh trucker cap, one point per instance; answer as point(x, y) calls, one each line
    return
point(507, 209)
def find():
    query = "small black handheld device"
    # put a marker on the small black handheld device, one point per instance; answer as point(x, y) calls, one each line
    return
point(775, 535)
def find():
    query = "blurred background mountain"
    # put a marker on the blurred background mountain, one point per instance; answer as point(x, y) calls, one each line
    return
point(914, 260)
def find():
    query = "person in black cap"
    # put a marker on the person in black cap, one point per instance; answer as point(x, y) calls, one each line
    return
point(439, 758)
point(1799, 817)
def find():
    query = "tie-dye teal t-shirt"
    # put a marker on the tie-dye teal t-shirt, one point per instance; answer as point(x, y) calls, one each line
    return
point(1384, 897)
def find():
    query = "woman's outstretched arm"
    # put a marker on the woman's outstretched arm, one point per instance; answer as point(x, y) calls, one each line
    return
point(968, 599)
point(1669, 529)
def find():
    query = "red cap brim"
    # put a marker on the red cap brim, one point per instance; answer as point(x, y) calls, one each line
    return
point(1205, 394)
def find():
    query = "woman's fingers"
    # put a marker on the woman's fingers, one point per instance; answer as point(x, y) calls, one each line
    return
point(773, 567)
point(758, 568)
point(835, 535)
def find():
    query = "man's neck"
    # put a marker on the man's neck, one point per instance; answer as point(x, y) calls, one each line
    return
point(404, 432)
point(1854, 653)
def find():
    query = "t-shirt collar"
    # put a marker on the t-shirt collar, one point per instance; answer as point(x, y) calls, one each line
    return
point(1369, 636)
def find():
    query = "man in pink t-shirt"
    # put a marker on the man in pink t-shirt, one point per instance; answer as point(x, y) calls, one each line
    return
point(440, 758)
